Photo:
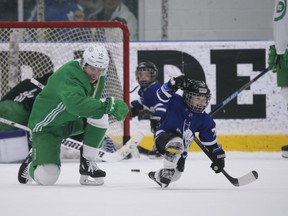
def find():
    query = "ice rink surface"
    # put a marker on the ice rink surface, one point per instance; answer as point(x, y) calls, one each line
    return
point(199, 191)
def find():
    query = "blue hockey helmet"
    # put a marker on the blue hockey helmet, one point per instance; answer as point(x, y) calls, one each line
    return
point(197, 96)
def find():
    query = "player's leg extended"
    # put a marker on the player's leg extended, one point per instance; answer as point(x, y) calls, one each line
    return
point(172, 147)
point(94, 134)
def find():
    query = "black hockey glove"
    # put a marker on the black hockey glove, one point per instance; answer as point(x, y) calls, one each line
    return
point(135, 109)
point(179, 82)
point(218, 156)
point(155, 122)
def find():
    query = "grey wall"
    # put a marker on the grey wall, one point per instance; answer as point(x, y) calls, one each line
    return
point(208, 19)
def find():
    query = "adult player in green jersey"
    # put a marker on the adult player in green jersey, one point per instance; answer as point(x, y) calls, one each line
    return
point(71, 94)
point(278, 54)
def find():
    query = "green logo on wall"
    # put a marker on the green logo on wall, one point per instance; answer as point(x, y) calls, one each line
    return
point(280, 10)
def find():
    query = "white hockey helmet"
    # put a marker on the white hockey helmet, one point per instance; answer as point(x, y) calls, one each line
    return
point(96, 56)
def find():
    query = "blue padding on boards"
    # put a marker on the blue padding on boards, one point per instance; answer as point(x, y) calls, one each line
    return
point(12, 134)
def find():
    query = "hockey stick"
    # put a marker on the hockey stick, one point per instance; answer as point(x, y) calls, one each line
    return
point(235, 94)
point(120, 154)
point(246, 179)
point(253, 175)
point(134, 89)
point(37, 83)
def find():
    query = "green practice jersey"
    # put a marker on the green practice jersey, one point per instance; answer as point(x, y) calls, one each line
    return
point(66, 97)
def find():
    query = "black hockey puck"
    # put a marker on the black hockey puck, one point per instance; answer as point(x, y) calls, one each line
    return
point(135, 170)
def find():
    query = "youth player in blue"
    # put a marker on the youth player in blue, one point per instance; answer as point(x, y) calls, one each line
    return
point(146, 75)
point(185, 117)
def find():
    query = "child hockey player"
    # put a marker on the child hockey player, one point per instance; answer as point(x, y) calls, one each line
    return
point(185, 117)
point(146, 75)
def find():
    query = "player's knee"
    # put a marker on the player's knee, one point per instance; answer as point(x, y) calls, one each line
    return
point(175, 145)
point(46, 174)
point(162, 140)
point(100, 123)
point(174, 149)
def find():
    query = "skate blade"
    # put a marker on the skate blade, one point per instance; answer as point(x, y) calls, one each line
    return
point(87, 180)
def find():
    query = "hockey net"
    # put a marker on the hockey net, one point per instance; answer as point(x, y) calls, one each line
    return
point(32, 49)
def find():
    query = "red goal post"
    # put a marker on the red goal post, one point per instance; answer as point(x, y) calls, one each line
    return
point(31, 49)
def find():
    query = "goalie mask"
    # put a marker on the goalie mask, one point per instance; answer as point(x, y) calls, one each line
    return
point(96, 56)
point(146, 73)
point(197, 96)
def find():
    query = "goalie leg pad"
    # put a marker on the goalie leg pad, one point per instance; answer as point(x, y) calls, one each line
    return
point(46, 174)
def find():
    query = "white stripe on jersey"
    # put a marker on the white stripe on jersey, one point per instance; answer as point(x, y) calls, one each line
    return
point(49, 118)
point(27, 94)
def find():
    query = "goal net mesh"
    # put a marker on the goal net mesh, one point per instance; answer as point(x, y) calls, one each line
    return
point(27, 52)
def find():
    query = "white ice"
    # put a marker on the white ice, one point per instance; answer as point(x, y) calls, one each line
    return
point(199, 192)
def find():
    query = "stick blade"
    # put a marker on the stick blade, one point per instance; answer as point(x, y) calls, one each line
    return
point(244, 180)
point(248, 178)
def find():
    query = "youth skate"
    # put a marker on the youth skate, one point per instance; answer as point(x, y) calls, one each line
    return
point(162, 177)
point(23, 173)
point(90, 172)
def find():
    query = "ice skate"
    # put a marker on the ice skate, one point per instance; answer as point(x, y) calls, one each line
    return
point(152, 176)
point(23, 173)
point(164, 178)
point(90, 172)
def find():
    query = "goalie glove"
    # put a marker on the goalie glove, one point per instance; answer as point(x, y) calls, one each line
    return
point(116, 108)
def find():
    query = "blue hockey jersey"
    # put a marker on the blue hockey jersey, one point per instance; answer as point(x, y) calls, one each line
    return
point(148, 100)
point(179, 118)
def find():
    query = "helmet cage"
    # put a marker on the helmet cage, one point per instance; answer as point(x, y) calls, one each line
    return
point(196, 108)
point(149, 68)
point(197, 89)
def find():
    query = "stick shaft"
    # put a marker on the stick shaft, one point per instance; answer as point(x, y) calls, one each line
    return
point(236, 93)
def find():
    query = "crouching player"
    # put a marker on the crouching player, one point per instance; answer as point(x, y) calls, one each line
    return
point(72, 94)
point(185, 117)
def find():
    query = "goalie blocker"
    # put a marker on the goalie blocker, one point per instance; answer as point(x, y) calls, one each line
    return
point(14, 146)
